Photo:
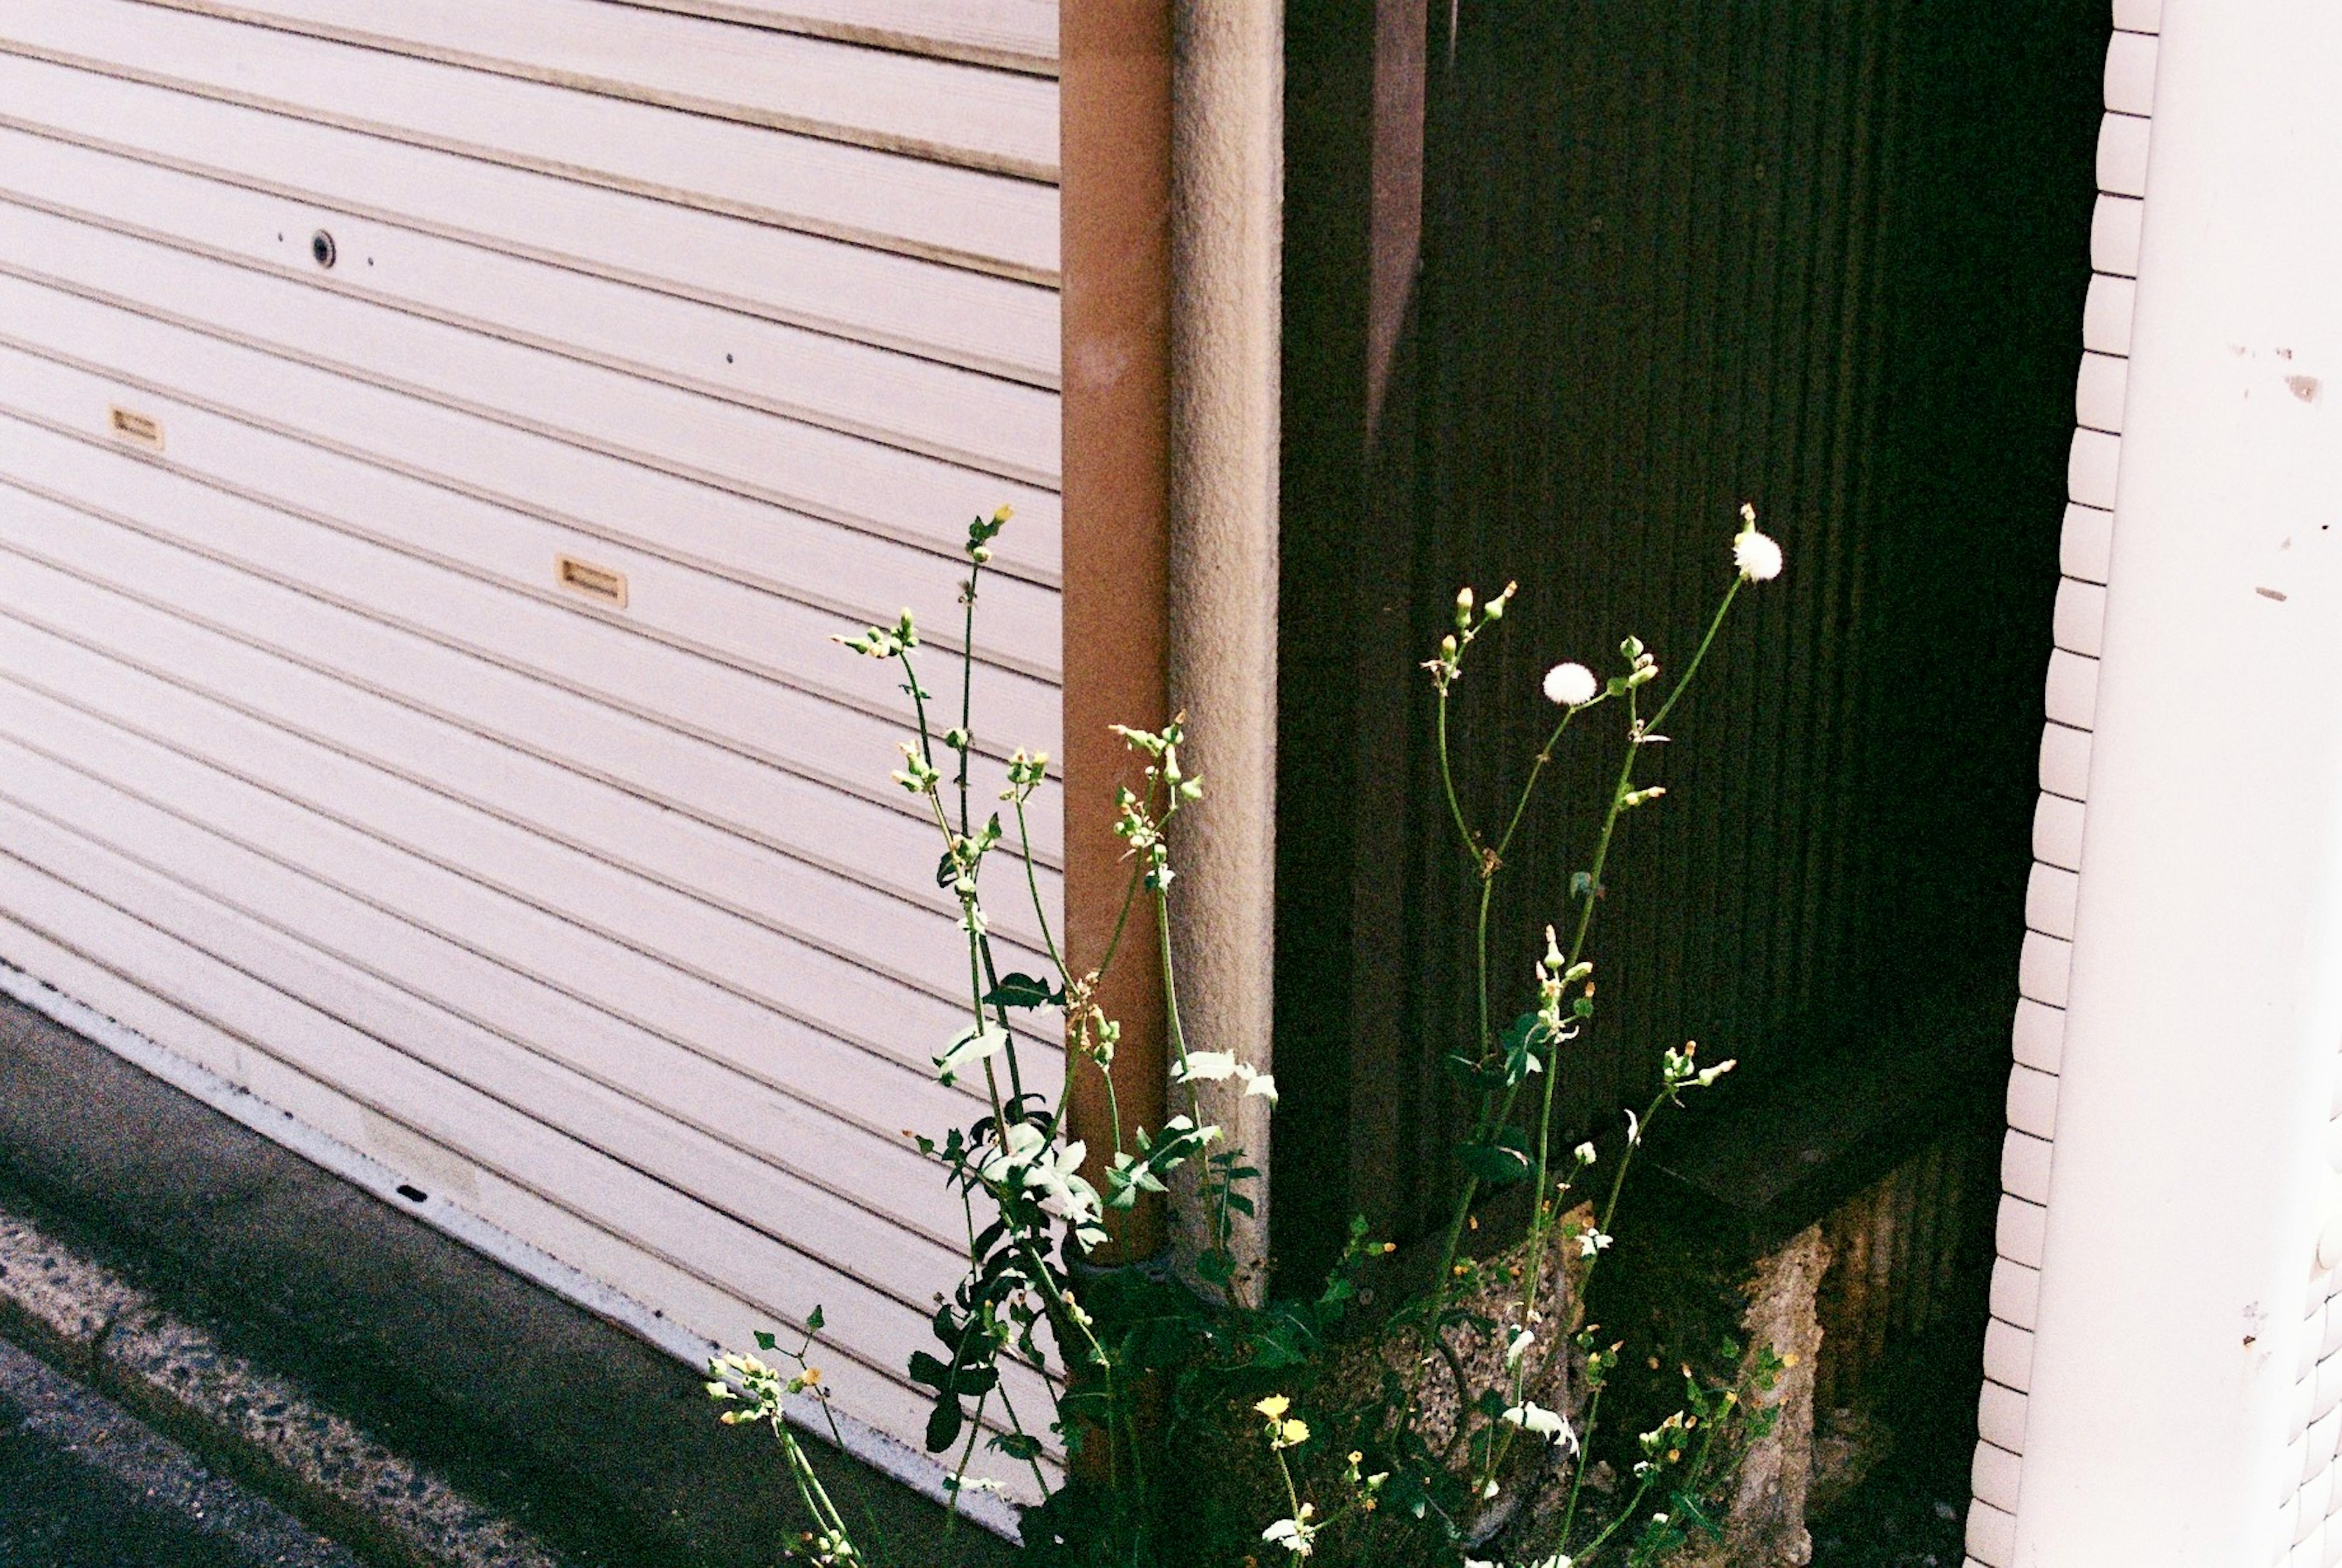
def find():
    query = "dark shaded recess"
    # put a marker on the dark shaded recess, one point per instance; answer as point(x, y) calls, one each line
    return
point(1827, 257)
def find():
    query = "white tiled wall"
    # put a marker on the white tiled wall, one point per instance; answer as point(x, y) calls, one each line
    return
point(2071, 704)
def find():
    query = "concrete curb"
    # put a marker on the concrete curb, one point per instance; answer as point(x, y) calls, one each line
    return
point(116, 1334)
point(71, 1420)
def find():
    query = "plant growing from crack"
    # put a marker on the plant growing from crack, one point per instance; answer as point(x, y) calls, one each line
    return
point(1107, 1348)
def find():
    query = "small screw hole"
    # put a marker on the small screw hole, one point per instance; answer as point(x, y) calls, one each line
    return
point(412, 1195)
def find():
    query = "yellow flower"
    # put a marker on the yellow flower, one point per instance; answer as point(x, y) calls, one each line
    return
point(1274, 1406)
point(1293, 1433)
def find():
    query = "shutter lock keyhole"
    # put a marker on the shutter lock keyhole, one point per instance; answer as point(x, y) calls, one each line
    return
point(321, 248)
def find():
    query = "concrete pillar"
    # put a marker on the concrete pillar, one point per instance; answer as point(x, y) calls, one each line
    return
point(2189, 1181)
point(1227, 187)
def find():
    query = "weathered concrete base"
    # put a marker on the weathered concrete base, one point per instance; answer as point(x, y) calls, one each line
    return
point(114, 1335)
point(1765, 1527)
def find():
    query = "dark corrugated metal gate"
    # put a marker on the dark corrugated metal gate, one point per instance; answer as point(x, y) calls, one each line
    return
point(1829, 257)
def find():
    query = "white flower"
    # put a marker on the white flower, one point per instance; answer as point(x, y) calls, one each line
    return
point(1708, 1075)
point(1203, 1067)
point(1025, 1159)
point(1756, 555)
point(1522, 1339)
point(1213, 1066)
point(1260, 1084)
point(1017, 1146)
point(1549, 1424)
point(970, 1045)
point(1570, 685)
point(1585, 1153)
point(1591, 1241)
point(1294, 1533)
point(1634, 1130)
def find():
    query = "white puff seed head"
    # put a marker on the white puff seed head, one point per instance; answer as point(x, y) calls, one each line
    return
point(1570, 685)
point(1758, 556)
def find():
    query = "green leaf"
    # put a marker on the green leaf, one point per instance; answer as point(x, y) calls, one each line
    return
point(1466, 1075)
point(1527, 1030)
point(1497, 1157)
point(944, 1423)
point(1023, 991)
point(813, 1321)
point(929, 1373)
point(1019, 1445)
point(765, 1341)
point(1495, 1164)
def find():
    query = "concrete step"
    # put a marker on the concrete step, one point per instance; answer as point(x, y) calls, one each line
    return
point(393, 1387)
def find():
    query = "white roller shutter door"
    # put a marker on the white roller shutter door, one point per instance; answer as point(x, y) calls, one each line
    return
point(415, 704)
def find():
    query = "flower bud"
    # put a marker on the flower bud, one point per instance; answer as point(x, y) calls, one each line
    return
point(1463, 608)
point(1447, 647)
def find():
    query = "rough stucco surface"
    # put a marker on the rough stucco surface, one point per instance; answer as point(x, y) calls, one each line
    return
point(1764, 1525)
point(1228, 183)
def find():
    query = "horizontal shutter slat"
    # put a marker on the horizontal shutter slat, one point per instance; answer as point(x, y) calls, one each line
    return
point(966, 217)
point(1007, 326)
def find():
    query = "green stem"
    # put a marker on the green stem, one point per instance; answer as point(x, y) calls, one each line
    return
point(1634, 1507)
point(1454, 1241)
point(920, 710)
point(1448, 783)
point(1122, 917)
point(1577, 952)
point(1544, 757)
point(1033, 886)
point(1480, 954)
point(967, 1452)
point(1215, 1192)
point(1684, 680)
point(1594, 1261)
point(1577, 1471)
point(967, 689)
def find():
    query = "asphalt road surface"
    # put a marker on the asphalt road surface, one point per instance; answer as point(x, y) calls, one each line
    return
point(84, 1485)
